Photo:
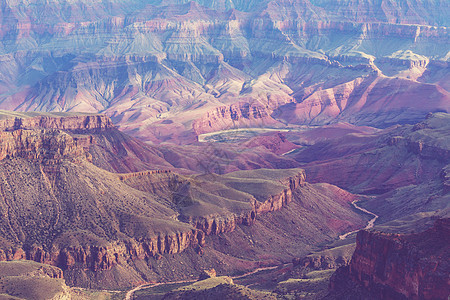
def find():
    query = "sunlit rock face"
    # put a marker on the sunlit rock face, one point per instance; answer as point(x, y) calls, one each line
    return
point(174, 64)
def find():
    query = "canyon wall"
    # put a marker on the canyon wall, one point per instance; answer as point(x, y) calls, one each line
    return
point(81, 218)
point(394, 266)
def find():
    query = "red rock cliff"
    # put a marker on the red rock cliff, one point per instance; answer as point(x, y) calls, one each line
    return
point(393, 266)
point(75, 123)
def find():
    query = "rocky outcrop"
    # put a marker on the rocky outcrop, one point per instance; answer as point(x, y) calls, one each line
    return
point(50, 138)
point(222, 224)
point(66, 122)
point(328, 259)
point(393, 266)
point(234, 116)
point(42, 145)
point(128, 176)
point(211, 273)
point(97, 258)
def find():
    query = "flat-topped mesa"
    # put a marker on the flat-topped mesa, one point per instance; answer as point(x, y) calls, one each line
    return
point(66, 122)
point(44, 137)
point(183, 192)
point(42, 145)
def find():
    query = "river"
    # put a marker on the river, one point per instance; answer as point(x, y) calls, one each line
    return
point(369, 225)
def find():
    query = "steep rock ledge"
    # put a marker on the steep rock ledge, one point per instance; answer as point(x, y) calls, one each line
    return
point(66, 122)
point(97, 258)
point(394, 266)
point(44, 145)
point(222, 224)
point(234, 116)
point(49, 137)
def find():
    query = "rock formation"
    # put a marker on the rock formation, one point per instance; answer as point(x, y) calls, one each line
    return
point(393, 266)
point(211, 273)
point(75, 215)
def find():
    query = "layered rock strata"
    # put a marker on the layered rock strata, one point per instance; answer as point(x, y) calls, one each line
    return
point(393, 266)
point(77, 216)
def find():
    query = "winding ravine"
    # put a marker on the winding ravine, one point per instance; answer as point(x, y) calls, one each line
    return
point(369, 225)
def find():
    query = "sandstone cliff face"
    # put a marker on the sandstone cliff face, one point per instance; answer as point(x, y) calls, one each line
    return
point(49, 138)
point(98, 258)
point(43, 145)
point(234, 116)
point(66, 122)
point(392, 266)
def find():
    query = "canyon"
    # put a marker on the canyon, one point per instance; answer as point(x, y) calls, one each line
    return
point(295, 148)
point(169, 71)
point(111, 211)
point(107, 229)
